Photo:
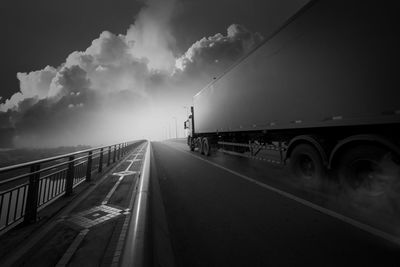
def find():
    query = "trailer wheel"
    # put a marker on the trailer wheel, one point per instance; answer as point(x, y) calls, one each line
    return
point(368, 173)
point(306, 163)
point(206, 146)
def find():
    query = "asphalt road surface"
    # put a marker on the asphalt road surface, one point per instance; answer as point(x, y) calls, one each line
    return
point(217, 217)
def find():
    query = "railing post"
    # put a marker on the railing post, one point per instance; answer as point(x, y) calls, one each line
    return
point(101, 160)
point(89, 167)
point(115, 153)
point(119, 151)
point(69, 182)
point(32, 198)
point(109, 156)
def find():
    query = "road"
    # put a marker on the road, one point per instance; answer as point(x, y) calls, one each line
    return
point(218, 216)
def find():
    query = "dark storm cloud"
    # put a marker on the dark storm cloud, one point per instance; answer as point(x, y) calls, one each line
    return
point(5, 120)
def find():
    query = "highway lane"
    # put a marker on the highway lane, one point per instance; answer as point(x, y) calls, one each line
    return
point(217, 218)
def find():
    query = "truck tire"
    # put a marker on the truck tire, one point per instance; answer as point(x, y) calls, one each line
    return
point(191, 144)
point(192, 147)
point(368, 173)
point(200, 145)
point(306, 163)
point(206, 146)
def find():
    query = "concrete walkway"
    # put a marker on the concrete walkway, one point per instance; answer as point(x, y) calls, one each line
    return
point(89, 231)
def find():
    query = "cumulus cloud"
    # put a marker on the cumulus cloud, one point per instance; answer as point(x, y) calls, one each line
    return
point(36, 83)
point(151, 37)
point(68, 80)
point(218, 51)
point(115, 81)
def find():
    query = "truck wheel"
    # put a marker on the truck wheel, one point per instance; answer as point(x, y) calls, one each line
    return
point(367, 173)
point(192, 146)
point(206, 147)
point(191, 143)
point(200, 145)
point(306, 163)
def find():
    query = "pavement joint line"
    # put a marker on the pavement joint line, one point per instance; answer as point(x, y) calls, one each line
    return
point(47, 227)
point(343, 218)
point(72, 248)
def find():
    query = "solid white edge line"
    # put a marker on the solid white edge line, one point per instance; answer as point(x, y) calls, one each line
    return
point(134, 249)
point(307, 203)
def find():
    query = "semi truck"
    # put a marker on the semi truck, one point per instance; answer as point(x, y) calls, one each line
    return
point(322, 91)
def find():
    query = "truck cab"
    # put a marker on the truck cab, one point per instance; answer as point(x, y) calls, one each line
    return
point(189, 127)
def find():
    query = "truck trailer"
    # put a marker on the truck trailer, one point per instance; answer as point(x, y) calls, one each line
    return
point(322, 90)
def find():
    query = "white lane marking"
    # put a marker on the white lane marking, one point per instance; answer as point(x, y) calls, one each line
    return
point(72, 248)
point(122, 175)
point(307, 203)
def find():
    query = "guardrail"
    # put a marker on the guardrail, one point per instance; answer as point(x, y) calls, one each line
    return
point(36, 184)
point(134, 253)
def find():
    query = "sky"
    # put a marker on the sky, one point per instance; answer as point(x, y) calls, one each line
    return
point(97, 71)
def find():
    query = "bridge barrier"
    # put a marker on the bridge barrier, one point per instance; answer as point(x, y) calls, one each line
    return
point(34, 185)
point(136, 247)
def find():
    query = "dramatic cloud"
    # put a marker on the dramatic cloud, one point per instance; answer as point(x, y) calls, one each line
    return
point(121, 86)
point(69, 80)
point(150, 36)
point(36, 83)
point(219, 51)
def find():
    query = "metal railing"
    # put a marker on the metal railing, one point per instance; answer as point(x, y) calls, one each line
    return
point(135, 249)
point(34, 185)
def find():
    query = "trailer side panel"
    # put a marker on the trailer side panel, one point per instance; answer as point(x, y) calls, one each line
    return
point(335, 64)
